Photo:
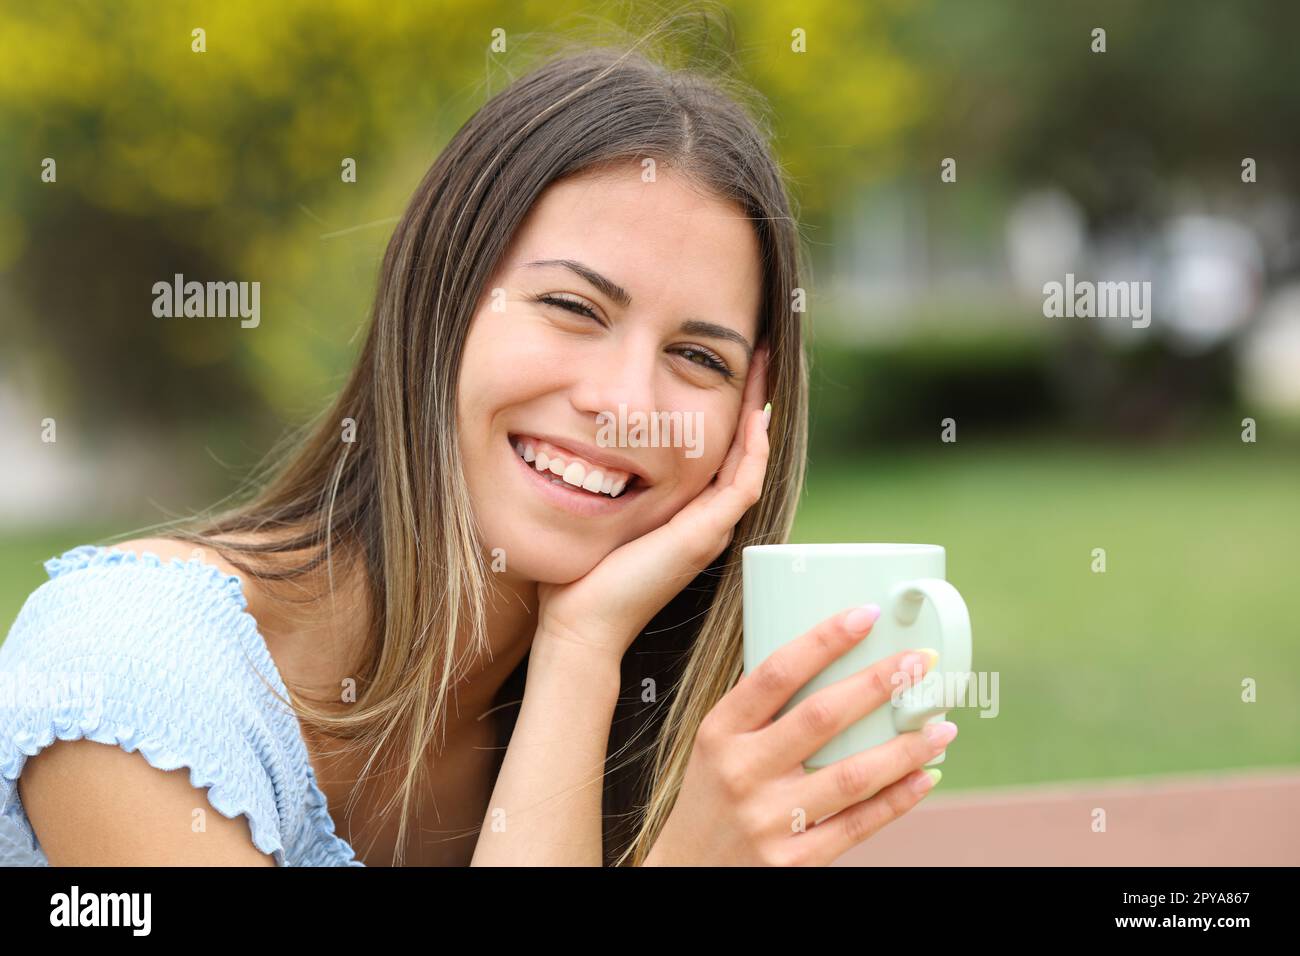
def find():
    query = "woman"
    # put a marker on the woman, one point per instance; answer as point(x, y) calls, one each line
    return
point(523, 635)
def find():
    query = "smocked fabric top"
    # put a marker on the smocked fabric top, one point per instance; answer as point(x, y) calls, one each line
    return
point(159, 657)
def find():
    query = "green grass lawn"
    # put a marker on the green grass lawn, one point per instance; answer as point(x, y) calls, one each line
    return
point(1132, 672)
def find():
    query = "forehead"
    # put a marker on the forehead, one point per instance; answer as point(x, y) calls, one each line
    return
point(664, 241)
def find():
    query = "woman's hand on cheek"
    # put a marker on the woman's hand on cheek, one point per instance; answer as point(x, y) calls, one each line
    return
point(603, 611)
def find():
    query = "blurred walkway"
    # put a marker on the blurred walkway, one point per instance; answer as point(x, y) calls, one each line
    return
point(1244, 818)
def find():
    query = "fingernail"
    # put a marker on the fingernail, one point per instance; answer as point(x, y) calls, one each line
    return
point(919, 662)
point(925, 783)
point(767, 415)
point(941, 734)
point(861, 618)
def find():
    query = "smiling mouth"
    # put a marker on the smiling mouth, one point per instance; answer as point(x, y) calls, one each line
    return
point(565, 468)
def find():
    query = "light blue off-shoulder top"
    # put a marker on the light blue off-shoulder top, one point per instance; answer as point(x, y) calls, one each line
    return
point(159, 657)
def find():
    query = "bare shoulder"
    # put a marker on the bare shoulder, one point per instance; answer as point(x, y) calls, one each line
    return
point(94, 804)
point(168, 548)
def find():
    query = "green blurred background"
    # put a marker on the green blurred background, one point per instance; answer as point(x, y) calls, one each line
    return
point(926, 303)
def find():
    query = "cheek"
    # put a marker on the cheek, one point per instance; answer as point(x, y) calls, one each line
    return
point(498, 368)
point(715, 432)
point(488, 382)
point(691, 475)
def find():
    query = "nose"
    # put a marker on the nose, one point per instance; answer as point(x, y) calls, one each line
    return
point(621, 374)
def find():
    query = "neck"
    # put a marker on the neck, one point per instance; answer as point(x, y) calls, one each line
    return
point(511, 620)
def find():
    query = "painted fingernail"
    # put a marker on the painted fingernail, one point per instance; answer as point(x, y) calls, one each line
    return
point(925, 783)
point(861, 618)
point(767, 415)
point(919, 662)
point(941, 734)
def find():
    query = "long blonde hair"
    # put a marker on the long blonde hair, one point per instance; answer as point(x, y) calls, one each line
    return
point(392, 504)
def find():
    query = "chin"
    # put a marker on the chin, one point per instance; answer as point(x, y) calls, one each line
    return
point(538, 562)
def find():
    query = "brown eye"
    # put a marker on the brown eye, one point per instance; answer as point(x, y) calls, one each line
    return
point(705, 358)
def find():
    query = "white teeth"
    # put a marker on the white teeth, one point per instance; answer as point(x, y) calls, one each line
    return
point(572, 473)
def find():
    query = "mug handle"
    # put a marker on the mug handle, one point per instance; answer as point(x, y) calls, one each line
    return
point(924, 702)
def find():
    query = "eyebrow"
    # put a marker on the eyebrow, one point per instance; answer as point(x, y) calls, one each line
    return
point(618, 294)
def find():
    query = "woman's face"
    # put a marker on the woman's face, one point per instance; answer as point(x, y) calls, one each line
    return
point(647, 384)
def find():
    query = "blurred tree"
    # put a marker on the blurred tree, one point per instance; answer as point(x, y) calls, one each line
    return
point(1184, 90)
point(225, 164)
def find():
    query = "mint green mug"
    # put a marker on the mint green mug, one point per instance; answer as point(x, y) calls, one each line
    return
point(790, 588)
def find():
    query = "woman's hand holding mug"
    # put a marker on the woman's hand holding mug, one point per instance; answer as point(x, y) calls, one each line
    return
point(746, 798)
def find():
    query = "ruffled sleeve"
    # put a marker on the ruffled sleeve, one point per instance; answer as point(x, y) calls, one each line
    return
point(159, 658)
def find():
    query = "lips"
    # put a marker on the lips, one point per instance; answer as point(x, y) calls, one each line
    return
point(569, 499)
point(593, 470)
